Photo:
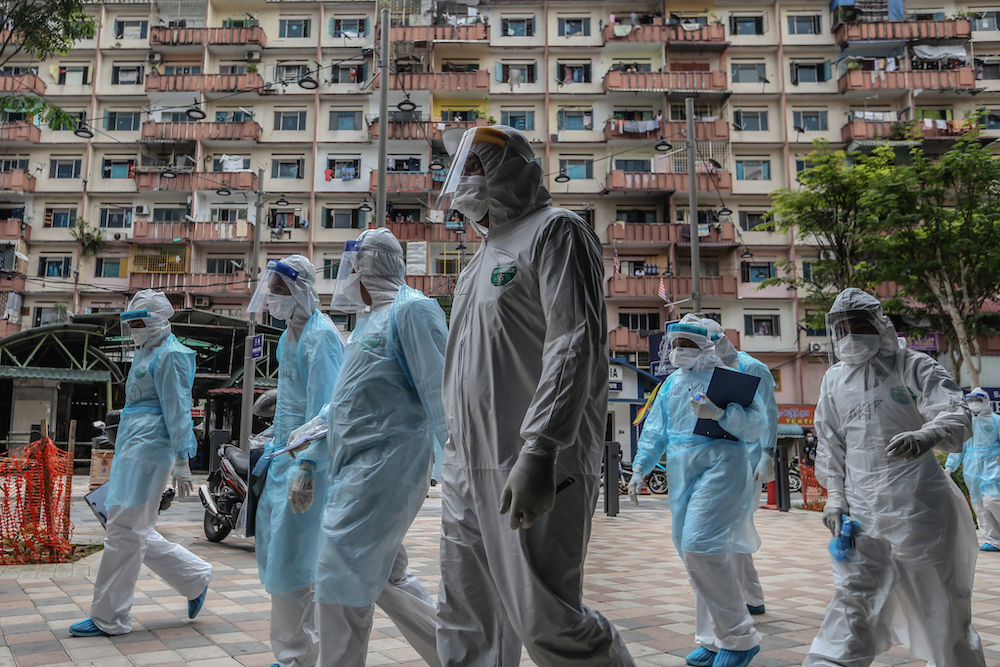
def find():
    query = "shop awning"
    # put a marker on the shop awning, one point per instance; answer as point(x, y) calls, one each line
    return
point(61, 374)
point(790, 431)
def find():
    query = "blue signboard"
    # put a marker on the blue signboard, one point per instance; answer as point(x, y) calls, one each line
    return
point(257, 348)
point(659, 361)
point(994, 393)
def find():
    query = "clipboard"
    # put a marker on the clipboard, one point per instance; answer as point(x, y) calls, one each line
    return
point(97, 500)
point(727, 386)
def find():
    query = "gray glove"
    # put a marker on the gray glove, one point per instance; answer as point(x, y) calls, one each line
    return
point(530, 491)
point(182, 478)
point(911, 444)
point(704, 408)
point(948, 471)
point(835, 507)
point(635, 484)
point(764, 472)
point(300, 495)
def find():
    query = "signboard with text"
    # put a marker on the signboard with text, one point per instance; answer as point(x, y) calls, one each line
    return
point(257, 349)
point(659, 362)
point(994, 393)
point(614, 377)
point(803, 415)
point(926, 343)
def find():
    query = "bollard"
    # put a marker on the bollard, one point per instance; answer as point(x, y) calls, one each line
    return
point(782, 494)
point(612, 455)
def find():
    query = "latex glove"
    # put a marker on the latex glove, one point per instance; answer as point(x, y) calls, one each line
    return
point(635, 484)
point(910, 444)
point(300, 495)
point(764, 472)
point(704, 408)
point(182, 478)
point(530, 490)
point(835, 507)
point(949, 471)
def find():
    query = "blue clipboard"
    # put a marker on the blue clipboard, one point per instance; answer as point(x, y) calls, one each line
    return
point(727, 386)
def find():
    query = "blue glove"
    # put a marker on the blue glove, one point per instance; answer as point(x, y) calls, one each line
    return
point(300, 495)
point(842, 546)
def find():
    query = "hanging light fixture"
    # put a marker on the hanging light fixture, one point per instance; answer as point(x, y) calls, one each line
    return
point(725, 211)
point(308, 82)
point(407, 105)
point(195, 112)
point(168, 173)
point(460, 247)
point(746, 254)
point(563, 177)
point(663, 146)
point(223, 192)
point(791, 288)
point(282, 201)
point(83, 131)
point(365, 207)
point(436, 165)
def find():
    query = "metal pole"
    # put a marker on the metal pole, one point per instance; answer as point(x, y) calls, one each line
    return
point(383, 120)
point(249, 363)
point(693, 208)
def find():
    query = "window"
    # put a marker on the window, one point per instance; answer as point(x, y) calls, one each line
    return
point(348, 27)
point(232, 69)
point(516, 73)
point(172, 214)
point(642, 166)
point(802, 165)
point(19, 70)
point(116, 217)
point(228, 214)
point(635, 215)
point(580, 119)
point(285, 217)
point(347, 169)
point(290, 72)
point(348, 73)
point(129, 75)
point(64, 168)
point(709, 268)
point(640, 321)
point(217, 164)
point(985, 21)
point(232, 116)
point(293, 28)
point(341, 218)
point(746, 25)
point(289, 120)
point(182, 69)
point(810, 72)
point(522, 27)
point(926, 16)
point(226, 265)
point(574, 73)
point(679, 111)
point(749, 72)
point(69, 125)
point(992, 120)
point(810, 121)
point(288, 168)
point(330, 268)
point(756, 272)
point(632, 66)
point(447, 66)
point(60, 217)
point(447, 265)
point(453, 115)
point(574, 27)
point(55, 267)
point(131, 29)
point(111, 267)
point(149, 258)
point(397, 163)
point(118, 168)
point(52, 315)
point(73, 75)
point(174, 117)
point(753, 170)
point(989, 71)
point(776, 376)
point(123, 121)
point(750, 121)
point(761, 325)
point(811, 315)
point(13, 164)
point(345, 121)
point(577, 168)
point(240, 23)
point(751, 221)
point(803, 25)
point(519, 120)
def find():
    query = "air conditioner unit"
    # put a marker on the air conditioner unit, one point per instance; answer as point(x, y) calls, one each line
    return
point(253, 56)
point(142, 209)
point(202, 302)
point(270, 87)
point(827, 255)
point(816, 347)
point(153, 57)
point(556, 137)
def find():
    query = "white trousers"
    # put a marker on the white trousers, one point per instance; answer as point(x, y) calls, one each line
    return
point(988, 513)
point(746, 573)
point(294, 639)
point(344, 631)
point(131, 542)
point(721, 617)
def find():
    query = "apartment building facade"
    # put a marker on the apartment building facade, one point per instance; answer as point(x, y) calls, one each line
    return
point(187, 101)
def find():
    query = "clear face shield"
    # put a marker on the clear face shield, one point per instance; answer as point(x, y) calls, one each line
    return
point(347, 292)
point(272, 293)
point(855, 336)
point(136, 331)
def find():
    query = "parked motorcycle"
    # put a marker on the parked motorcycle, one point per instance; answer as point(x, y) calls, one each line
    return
point(656, 480)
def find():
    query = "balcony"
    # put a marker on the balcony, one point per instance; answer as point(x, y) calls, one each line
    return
point(428, 231)
point(641, 233)
point(653, 181)
point(199, 180)
point(14, 229)
point(867, 130)
point(17, 180)
point(410, 129)
point(720, 235)
point(146, 231)
point(200, 131)
point(20, 132)
point(193, 283)
point(438, 285)
point(645, 287)
point(951, 79)
point(903, 31)
point(228, 83)
point(716, 130)
point(402, 181)
point(254, 36)
point(420, 34)
point(708, 36)
point(445, 81)
point(622, 340)
point(662, 82)
point(23, 83)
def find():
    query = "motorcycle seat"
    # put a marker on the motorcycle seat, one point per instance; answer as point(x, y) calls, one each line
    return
point(239, 459)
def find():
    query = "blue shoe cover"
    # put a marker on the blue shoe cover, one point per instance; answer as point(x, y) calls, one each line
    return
point(986, 546)
point(194, 606)
point(726, 658)
point(701, 657)
point(755, 610)
point(86, 628)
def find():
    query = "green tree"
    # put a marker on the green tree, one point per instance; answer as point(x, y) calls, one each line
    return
point(91, 240)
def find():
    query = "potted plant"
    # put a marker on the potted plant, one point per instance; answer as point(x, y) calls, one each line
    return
point(251, 68)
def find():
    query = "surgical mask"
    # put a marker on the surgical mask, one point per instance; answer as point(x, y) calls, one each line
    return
point(977, 407)
point(685, 357)
point(141, 336)
point(471, 198)
point(858, 348)
point(281, 306)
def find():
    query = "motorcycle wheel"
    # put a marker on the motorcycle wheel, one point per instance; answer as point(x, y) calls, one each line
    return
point(215, 530)
point(794, 481)
point(623, 479)
point(657, 482)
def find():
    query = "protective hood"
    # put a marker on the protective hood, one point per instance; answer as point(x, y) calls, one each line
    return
point(724, 347)
point(381, 265)
point(303, 288)
point(155, 312)
point(854, 303)
point(694, 329)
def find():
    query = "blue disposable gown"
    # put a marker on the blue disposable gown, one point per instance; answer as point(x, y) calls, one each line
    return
point(287, 544)
point(711, 482)
point(155, 427)
point(978, 459)
point(385, 417)
point(765, 390)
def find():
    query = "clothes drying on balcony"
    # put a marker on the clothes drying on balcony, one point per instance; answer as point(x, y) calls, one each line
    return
point(638, 126)
point(928, 52)
point(232, 163)
point(621, 30)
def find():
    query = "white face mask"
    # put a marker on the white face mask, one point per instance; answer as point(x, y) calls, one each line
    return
point(858, 348)
point(141, 336)
point(281, 306)
point(471, 198)
point(685, 357)
point(978, 407)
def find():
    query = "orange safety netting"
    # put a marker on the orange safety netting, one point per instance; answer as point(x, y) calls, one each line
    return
point(35, 489)
point(813, 495)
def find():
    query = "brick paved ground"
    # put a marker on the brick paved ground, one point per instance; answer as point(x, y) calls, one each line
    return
point(633, 576)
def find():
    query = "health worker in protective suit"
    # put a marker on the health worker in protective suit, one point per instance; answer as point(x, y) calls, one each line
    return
point(761, 453)
point(712, 491)
point(310, 353)
point(525, 395)
point(155, 437)
point(882, 409)
point(385, 417)
point(980, 468)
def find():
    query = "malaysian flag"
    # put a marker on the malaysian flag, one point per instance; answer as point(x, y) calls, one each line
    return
point(618, 262)
point(661, 292)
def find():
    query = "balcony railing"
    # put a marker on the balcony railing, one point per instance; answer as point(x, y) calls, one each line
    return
point(410, 129)
point(716, 130)
point(223, 36)
point(653, 233)
point(664, 81)
point(17, 180)
point(22, 83)
point(20, 132)
point(165, 83)
point(480, 32)
point(201, 180)
point(446, 81)
point(428, 231)
point(720, 234)
point(622, 339)
point(948, 79)
point(652, 181)
point(861, 130)
point(194, 283)
point(191, 231)
point(200, 131)
point(402, 181)
point(713, 34)
point(885, 31)
point(645, 287)
point(13, 228)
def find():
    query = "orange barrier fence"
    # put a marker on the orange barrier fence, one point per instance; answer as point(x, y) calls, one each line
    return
point(813, 495)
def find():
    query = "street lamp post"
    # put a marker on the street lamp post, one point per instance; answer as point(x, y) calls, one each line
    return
point(383, 114)
point(693, 207)
point(249, 363)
